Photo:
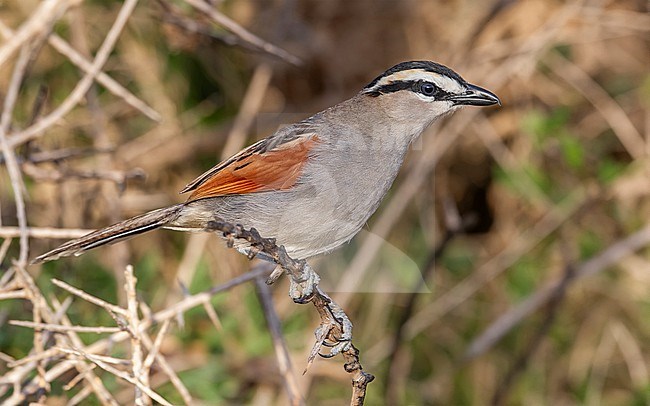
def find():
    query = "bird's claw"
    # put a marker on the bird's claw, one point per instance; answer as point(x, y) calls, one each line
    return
point(302, 290)
point(338, 344)
point(336, 349)
point(329, 344)
point(275, 275)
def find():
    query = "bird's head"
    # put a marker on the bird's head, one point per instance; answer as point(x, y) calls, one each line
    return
point(418, 92)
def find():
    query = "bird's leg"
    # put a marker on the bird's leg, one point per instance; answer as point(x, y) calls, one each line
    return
point(303, 278)
point(335, 330)
point(336, 323)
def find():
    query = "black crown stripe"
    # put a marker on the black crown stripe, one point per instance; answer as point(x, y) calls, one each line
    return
point(427, 66)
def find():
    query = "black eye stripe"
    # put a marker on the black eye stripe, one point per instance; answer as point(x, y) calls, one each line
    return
point(392, 88)
point(412, 85)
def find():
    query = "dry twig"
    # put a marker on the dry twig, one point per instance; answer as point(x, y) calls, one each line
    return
point(83, 85)
point(30, 386)
point(47, 12)
point(40, 232)
point(61, 328)
point(105, 80)
point(242, 33)
point(506, 322)
point(138, 371)
point(279, 344)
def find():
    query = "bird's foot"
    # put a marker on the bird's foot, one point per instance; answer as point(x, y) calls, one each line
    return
point(340, 324)
point(334, 332)
point(302, 288)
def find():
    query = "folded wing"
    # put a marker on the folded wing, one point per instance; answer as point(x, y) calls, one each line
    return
point(255, 169)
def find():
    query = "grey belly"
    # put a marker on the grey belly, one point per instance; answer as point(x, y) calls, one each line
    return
point(306, 222)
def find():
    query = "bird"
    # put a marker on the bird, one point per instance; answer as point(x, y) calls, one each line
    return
point(311, 185)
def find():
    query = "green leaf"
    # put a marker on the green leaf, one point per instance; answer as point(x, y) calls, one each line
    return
point(543, 125)
point(572, 151)
point(609, 170)
point(590, 244)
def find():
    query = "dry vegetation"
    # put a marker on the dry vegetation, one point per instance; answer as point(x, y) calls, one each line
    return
point(533, 244)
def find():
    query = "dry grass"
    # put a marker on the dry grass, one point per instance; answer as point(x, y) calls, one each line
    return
point(538, 295)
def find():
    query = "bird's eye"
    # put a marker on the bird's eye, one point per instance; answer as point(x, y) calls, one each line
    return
point(428, 89)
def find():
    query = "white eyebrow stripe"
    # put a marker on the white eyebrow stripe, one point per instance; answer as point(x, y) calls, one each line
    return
point(445, 83)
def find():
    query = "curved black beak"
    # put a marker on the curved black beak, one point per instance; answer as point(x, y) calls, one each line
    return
point(475, 96)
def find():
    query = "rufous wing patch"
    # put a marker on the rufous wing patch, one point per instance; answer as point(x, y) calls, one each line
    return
point(276, 169)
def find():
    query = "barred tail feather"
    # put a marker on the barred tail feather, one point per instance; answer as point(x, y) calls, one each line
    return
point(114, 233)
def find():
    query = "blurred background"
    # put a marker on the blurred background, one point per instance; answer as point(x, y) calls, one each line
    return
point(508, 265)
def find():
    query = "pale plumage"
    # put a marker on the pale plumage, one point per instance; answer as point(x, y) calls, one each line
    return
point(314, 184)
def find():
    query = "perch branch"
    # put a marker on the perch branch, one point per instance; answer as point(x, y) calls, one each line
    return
point(335, 330)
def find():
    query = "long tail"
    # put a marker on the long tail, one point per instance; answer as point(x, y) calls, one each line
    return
point(117, 232)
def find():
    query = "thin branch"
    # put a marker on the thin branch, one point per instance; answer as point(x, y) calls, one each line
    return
point(16, 294)
point(200, 298)
point(32, 358)
point(99, 361)
point(335, 330)
point(241, 32)
point(105, 80)
point(521, 361)
point(116, 176)
point(111, 308)
point(9, 155)
point(43, 232)
point(164, 365)
point(174, 16)
point(279, 344)
point(155, 348)
point(608, 107)
point(606, 258)
point(103, 358)
point(4, 248)
point(64, 329)
point(37, 157)
point(80, 396)
point(47, 11)
point(138, 371)
point(83, 85)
